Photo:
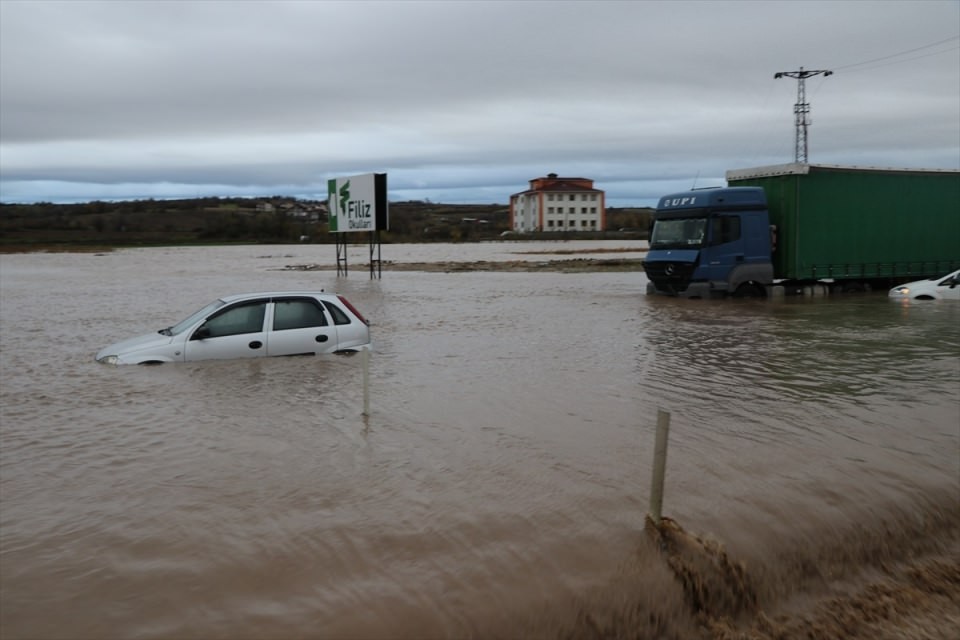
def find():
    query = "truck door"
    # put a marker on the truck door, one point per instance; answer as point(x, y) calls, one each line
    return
point(757, 241)
point(725, 247)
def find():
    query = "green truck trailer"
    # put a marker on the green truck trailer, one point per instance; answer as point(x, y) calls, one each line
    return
point(803, 225)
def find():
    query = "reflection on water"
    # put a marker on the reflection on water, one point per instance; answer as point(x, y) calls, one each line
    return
point(501, 477)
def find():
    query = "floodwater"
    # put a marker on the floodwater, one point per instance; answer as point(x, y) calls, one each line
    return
point(499, 485)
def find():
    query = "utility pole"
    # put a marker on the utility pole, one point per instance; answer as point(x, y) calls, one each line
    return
point(802, 108)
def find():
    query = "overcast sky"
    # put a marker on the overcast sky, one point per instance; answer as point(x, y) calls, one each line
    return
point(460, 102)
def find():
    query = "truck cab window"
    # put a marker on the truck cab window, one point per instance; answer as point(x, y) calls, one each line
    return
point(725, 229)
point(678, 233)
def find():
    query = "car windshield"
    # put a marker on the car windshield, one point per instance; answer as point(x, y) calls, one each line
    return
point(183, 325)
point(678, 233)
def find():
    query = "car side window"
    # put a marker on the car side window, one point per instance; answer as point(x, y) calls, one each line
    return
point(246, 318)
point(297, 314)
point(339, 317)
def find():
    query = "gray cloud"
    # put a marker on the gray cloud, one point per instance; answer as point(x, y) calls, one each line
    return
point(459, 101)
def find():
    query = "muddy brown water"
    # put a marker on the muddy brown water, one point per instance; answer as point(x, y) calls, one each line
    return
point(498, 487)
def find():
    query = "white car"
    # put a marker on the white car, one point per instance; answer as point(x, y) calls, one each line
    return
point(250, 325)
point(943, 288)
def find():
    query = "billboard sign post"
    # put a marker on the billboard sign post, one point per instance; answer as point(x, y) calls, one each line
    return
point(358, 203)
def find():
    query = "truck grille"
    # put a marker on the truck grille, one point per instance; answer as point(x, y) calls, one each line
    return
point(669, 276)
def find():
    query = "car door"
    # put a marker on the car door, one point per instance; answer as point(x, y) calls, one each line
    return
point(236, 331)
point(949, 287)
point(300, 326)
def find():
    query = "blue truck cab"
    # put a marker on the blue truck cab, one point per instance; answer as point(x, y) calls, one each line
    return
point(711, 243)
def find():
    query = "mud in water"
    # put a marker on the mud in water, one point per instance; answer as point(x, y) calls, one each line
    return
point(499, 487)
point(910, 591)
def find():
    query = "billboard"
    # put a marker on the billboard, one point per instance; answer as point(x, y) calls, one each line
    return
point(358, 203)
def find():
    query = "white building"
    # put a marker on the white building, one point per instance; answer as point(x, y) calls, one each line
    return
point(558, 204)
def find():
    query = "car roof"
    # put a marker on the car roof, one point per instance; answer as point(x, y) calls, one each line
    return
point(234, 297)
point(952, 274)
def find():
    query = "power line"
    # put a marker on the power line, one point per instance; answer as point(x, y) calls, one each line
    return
point(902, 53)
point(802, 108)
point(886, 64)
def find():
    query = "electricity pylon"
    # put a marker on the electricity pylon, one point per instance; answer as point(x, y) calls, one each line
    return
point(802, 108)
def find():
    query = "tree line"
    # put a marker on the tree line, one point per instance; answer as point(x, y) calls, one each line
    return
point(274, 220)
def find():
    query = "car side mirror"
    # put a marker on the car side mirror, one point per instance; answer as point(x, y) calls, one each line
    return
point(201, 334)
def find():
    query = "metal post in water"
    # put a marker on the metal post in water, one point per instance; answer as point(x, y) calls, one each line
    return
point(659, 465)
point(365, 356)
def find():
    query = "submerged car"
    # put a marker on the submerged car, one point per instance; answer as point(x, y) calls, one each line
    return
point(943, 288)
point(250, 325)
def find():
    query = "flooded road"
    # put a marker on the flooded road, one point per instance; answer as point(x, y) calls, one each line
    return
point(498, 487)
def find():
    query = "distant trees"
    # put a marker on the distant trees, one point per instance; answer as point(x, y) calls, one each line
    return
point(265, 220)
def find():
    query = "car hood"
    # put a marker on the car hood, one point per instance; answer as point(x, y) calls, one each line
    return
point(140, 343)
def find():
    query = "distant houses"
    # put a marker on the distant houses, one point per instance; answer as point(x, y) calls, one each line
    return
point(553, 203)
point(301, 210)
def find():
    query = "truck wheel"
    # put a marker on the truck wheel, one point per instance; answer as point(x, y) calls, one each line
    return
point(750, 290)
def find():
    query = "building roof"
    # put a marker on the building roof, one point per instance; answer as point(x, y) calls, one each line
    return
point(565, 184)
point(553, 182)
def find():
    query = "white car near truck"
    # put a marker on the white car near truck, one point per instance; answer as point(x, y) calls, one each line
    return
point(943, 288)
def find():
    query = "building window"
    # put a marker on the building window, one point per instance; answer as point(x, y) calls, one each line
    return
point(583, 209)
point(573, 197)
point(550, 197)
point(549, 209)
point(549, 223)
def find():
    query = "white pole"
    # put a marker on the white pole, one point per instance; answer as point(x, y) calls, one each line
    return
point(366, 381)
point(659, 465)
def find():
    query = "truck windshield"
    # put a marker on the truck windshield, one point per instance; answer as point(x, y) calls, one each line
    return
point(677, 233)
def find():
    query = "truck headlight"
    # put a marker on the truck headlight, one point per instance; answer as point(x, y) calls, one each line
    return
point(109, 360)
